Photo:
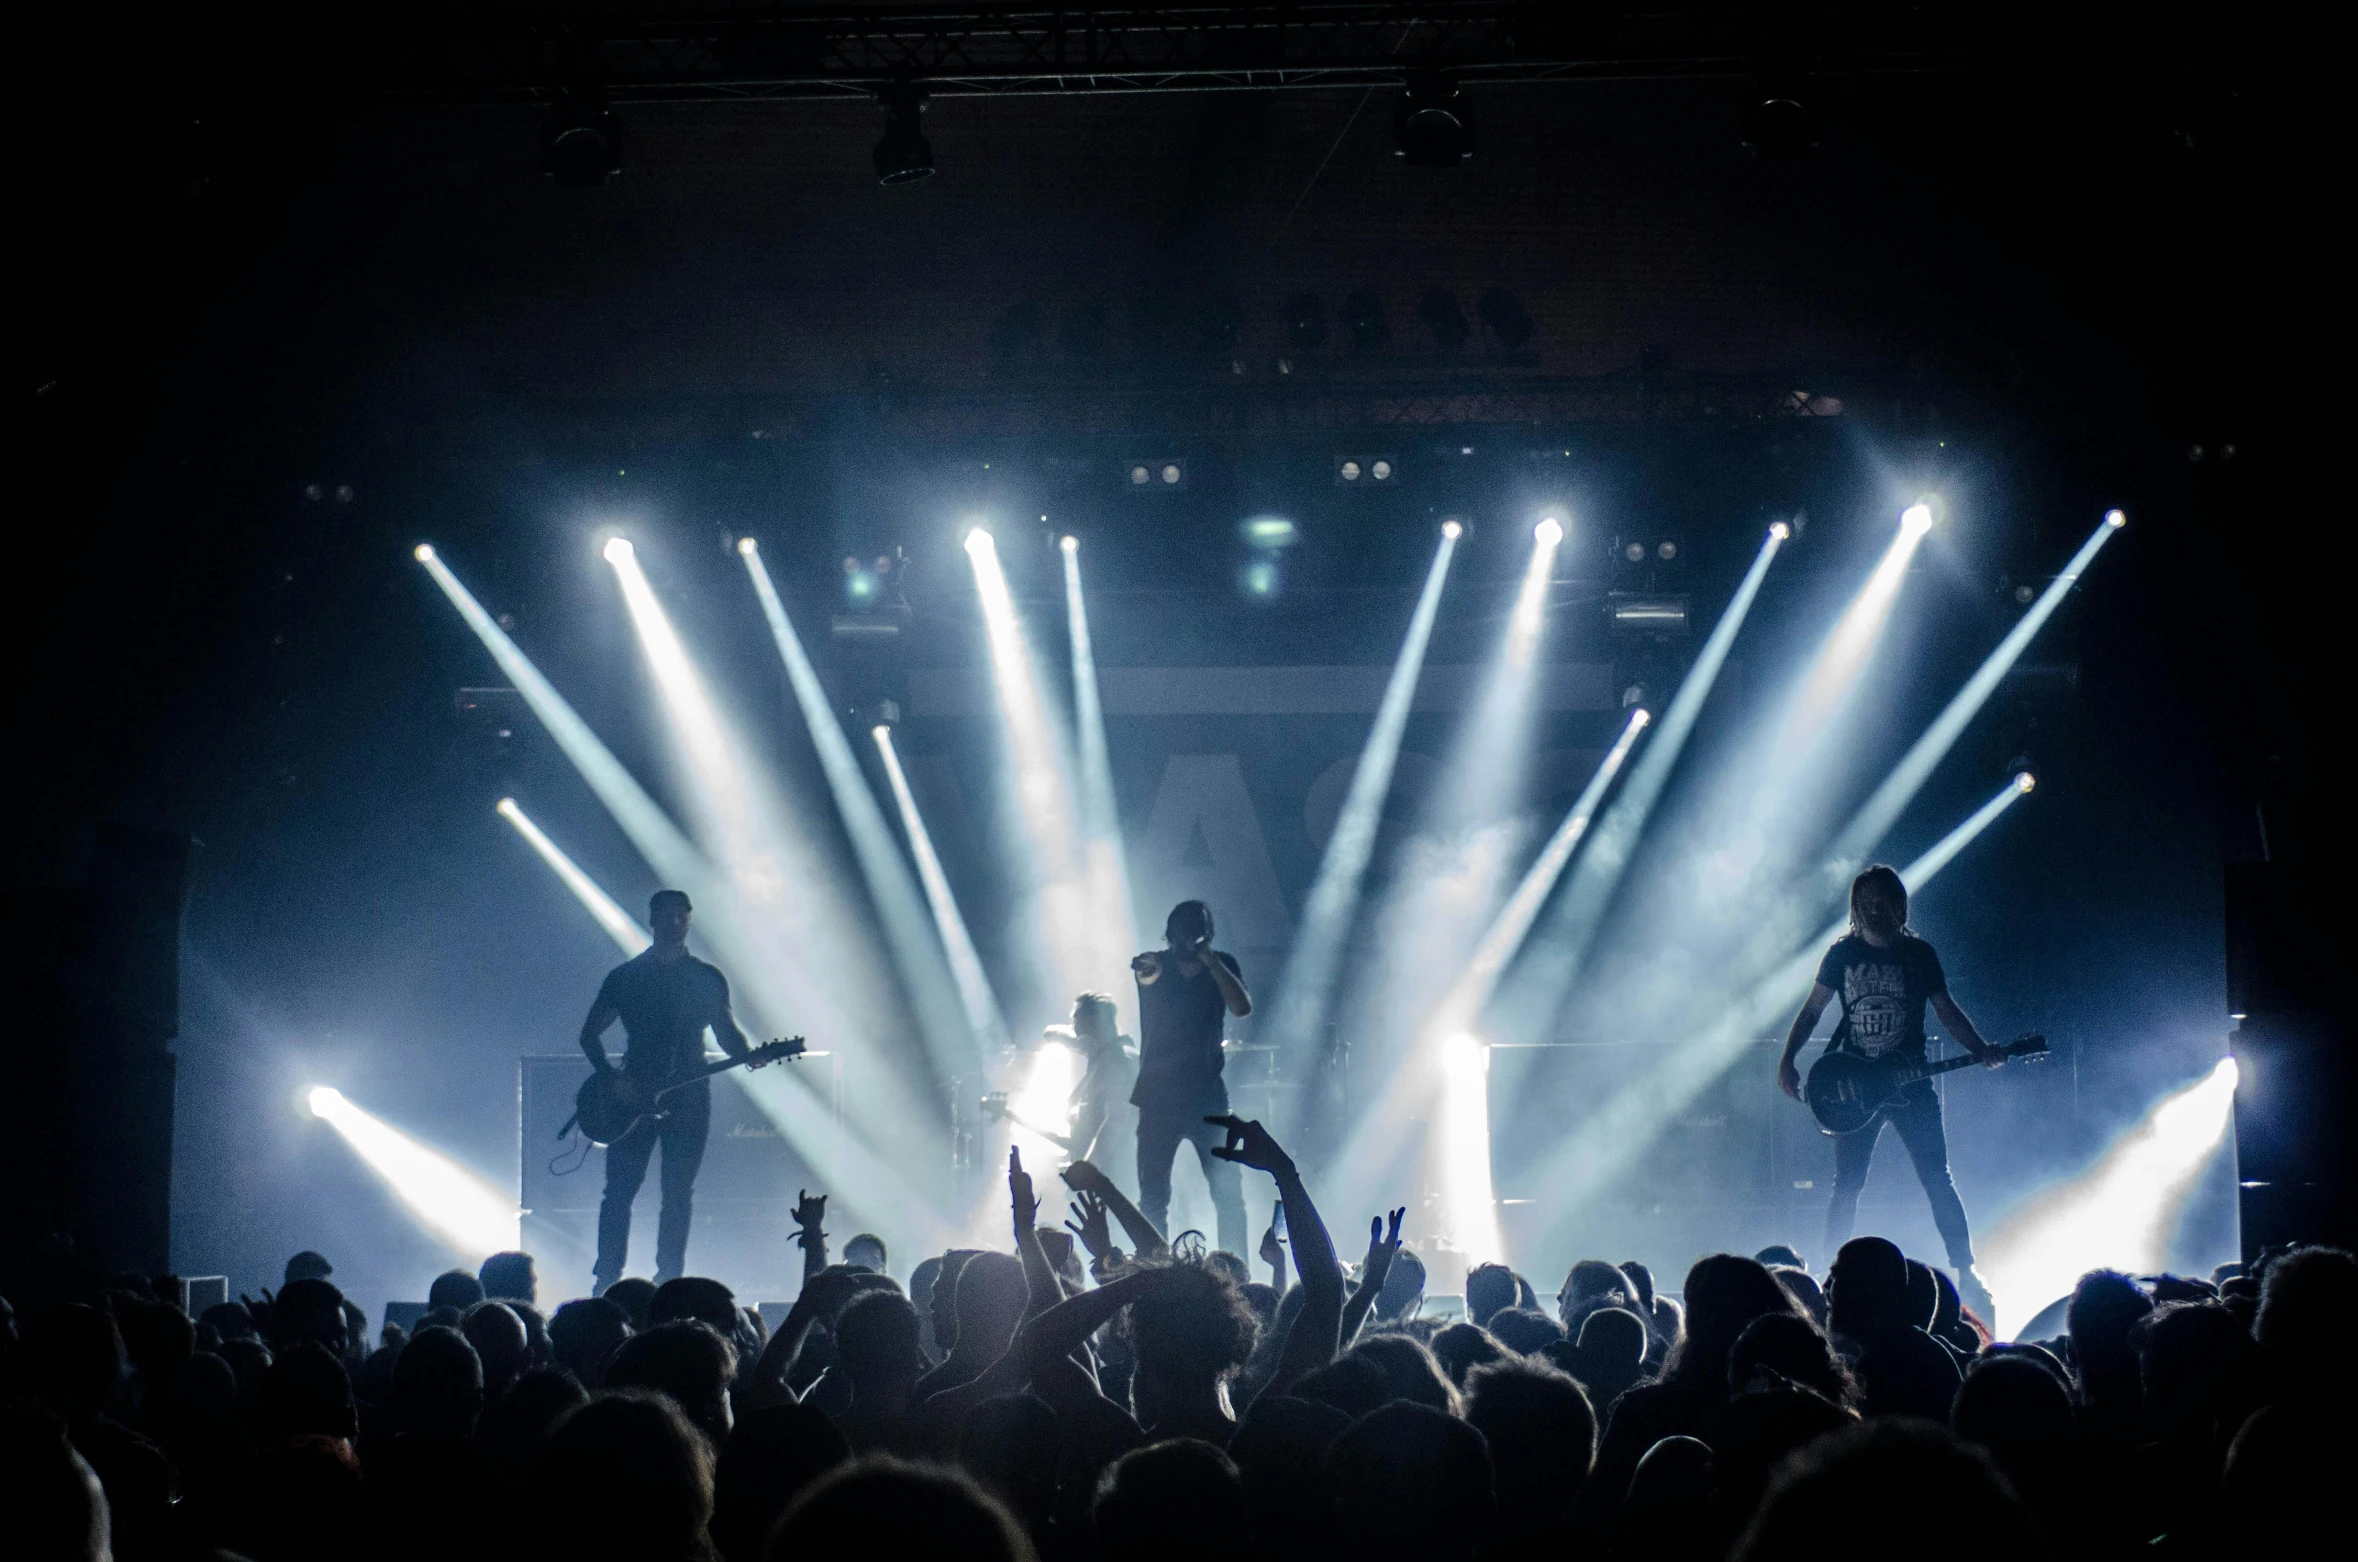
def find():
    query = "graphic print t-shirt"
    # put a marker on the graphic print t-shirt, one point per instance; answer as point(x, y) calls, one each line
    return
point(1180, 1019)
point(665, 1007)
point(1883, 993)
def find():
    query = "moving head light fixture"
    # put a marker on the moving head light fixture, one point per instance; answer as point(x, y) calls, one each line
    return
point(903, 155)
point(1430, 124)
point(580, 140)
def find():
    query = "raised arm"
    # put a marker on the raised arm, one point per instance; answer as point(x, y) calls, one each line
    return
point(1797, 1036)
point(1381, 1250)
point(1311, 1343)
point(810, 1232)
point(1145, 1241)
point(823, 1296)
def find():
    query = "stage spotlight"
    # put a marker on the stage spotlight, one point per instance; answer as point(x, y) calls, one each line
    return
point(1333, 904)
point(1780, 531)
point(1430, 125)
point(1549, 531)
point(475, 1218)
point(2026, 780)
point(979, 542)
point(580, 142)
point(600, 905)
point(2120, 1213)
point(2115, 519)
point(903, 155)
point(1260, 578)
point(1469, 1201)
point(617, 549)
point(422, 552)
point(1917, 517)
point(1452, 530)
point(1069, 544)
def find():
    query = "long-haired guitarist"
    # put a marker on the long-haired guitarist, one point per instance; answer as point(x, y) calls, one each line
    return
point(665, 999)
point(1885, 975)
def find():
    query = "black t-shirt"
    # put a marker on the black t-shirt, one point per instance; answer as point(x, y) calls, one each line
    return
point(1180, 1019)
point(665, 1006)
point(1883, 993)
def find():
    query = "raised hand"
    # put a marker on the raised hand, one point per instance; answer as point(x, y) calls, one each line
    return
point(810, 1217)
point(1020, 1198)
point(1381, 1248)
point(1084, 1177)
point(1272, 1247)
point(1249, 1144)
point(1091, 1223)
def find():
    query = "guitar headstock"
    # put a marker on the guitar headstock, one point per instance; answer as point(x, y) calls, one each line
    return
point(2031, 1047)
point(994, 1105)
point(783, 1050)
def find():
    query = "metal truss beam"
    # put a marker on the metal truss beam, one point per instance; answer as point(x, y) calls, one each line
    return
point(648, 55)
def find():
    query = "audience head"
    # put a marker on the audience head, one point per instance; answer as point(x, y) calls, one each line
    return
point(1867, 1288)
point(865, 1251)
point(634, 1296)
point(1783, 1348)
point(1351, 1383)
point(1779, 1255)
point(625, 1478)
point(307, 1265)
point(1410, 1481)
point(1890, 1477)
point(229, 1321)
point(2197, 1365)
point(1592, 1283)
point(991, 1293)
point(585, 1334)
point(1525, 1331)
point(1163, 1502)
point(1409, 1369)
point(693, 1298)
point(881, 1507)
point(1756, 1431)
point(501, 1344)
point(1190, 1330)
point(310, 1310)
point(1461, 1347)
point(75, 1358)
point(1610, 1354)
point(1805, 1291)
point(1404, 1286)
point(772, 1456)
point(687, 1361)
point(1541, 1429)
point(438, 1384)
point(1923, 1295)
point(305, 1394)
point(1641, 1284)
point(1724, 1294)
point(2019, 1409)
point(534, 1404)
point(876, 1346)
point(943, 1311)
point(509, 1277)
point(1490, 1288)
point(2308, 1298)
point(2105, 1305)
point(454, 1289)
point(1669, 1500)
point(1280, 1449)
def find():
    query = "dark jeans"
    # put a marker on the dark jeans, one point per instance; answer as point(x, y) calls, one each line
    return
point(1916, 1114)
point(1161, 1130)
point(682, 1130)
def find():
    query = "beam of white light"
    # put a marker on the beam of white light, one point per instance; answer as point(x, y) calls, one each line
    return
point(650, 829)
point(794, 1108)
point(1101, 828)
point(2118, 1214)
point(617, 922)
point(966, 967)
point(1614, 1136)
point(1380, 1128)
point(1334, 895)
point(1469, 1203)
point(1046, 1099)
point(1555, 957)
point(956, 1048)
point(475, 1218)
point(1073, 950)
point(1835, 672)
point(1883, 808)
point(1530, 613)
point(788, 912)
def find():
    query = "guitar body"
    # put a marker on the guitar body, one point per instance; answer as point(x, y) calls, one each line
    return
point(1845, 1092)
point(610, 1103)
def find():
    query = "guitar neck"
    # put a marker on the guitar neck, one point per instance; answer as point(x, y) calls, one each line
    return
point(1914, 1072)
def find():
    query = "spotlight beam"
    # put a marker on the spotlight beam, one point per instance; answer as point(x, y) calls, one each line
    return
point(2120, 1213)
point(799, 1115)
point(617, 922)
point(956, 1048)
point(1835, 670)
point(1611, 1138)
point(1101, 828)
point(1469, 1200)
point(1333, 904)
point(983, 1016)
point(1074, 953)
point(466, 1211)
point(1555, 957)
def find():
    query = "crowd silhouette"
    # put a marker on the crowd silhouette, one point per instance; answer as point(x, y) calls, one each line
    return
point(1068, 1398)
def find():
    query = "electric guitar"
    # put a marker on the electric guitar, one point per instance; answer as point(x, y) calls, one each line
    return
point(1845, 1091)
point(610, 1104)
point(995, 1105)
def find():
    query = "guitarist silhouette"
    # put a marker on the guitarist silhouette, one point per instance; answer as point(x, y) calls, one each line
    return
point(1885, 975)
point(665, 999)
